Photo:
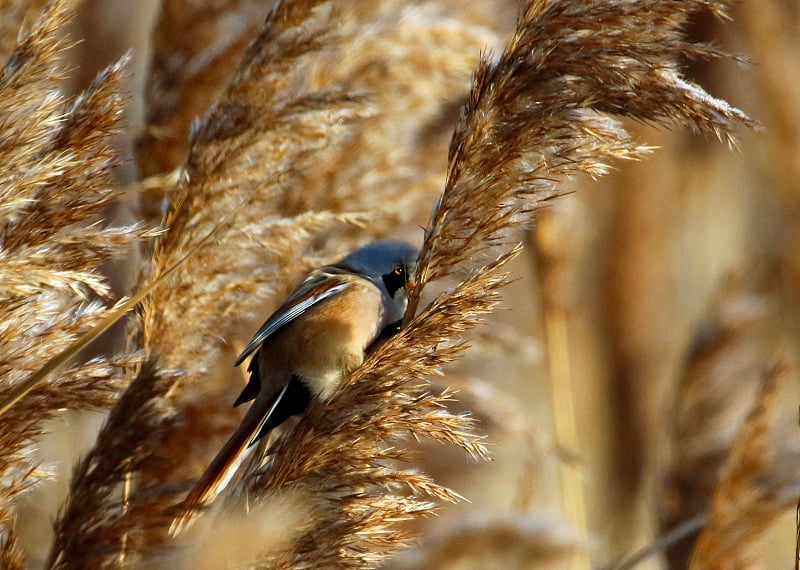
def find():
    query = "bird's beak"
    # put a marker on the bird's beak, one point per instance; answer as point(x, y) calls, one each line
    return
point(409, 286)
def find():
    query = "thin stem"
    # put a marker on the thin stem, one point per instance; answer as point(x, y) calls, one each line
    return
point(662, 542)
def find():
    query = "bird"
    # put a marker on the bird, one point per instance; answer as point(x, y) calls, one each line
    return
point(304, 350)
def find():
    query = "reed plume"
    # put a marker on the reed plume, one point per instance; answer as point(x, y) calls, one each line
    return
point(543, 112)
point(55, 189)
point(346, 452)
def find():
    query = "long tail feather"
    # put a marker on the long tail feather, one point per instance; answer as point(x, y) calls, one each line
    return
point(225, 465)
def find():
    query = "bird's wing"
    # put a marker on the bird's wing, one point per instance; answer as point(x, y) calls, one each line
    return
point(313, 290)
point(224, 466)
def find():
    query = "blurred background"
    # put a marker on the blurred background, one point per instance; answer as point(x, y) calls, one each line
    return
point(647, 309)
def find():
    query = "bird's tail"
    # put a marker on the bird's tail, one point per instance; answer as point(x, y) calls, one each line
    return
point(224, 466)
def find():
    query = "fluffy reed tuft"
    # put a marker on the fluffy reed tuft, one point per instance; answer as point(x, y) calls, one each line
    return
point(55, 188)
point(543, 112)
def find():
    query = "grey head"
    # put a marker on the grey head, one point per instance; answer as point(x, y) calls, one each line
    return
point(389, 262)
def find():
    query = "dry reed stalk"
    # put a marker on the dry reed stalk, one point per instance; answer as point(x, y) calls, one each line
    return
point(751, 491)
point(54, 190)
point(555, 248)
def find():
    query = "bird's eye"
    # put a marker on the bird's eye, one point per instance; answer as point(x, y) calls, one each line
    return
point(395, 279)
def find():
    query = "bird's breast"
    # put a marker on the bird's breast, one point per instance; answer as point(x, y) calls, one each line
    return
point(328, 341)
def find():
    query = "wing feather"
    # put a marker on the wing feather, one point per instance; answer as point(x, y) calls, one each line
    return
point(315, 290)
